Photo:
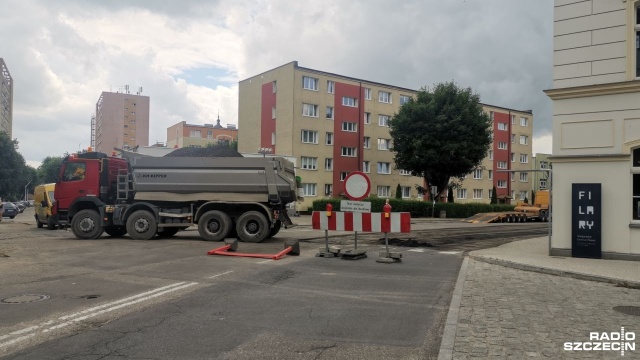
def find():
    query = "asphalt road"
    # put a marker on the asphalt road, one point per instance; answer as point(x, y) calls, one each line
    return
point(62, 298)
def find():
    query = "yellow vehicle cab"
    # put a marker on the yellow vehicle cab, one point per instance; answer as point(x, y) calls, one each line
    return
point(43, 202)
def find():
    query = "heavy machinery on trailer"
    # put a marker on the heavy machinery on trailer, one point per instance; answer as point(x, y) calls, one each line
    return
point(158, 196)
point(522, 212)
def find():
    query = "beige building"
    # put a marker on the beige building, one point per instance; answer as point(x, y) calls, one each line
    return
point(541, 178)
point(185, 135)
point(121, 121)
point(6, 99)
point(334, 124)
point(596, 123)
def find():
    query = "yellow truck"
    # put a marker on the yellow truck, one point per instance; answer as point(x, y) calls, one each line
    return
point(43, 202)
point(539, 210)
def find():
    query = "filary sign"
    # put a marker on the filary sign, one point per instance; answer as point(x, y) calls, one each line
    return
point(586, 221)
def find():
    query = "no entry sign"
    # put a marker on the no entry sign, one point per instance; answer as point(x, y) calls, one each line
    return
point(357, 185)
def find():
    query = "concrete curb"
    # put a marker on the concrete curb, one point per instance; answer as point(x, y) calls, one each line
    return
point(451, 325)
point(556, 272)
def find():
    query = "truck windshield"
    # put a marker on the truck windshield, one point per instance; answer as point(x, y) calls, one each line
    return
point(74, 171)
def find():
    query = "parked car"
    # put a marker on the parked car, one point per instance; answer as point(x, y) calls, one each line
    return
point(10, 210)
point(20, 206)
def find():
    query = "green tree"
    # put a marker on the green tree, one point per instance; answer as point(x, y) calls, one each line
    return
point(15, 174)
point(48, 170)
point(441, 134)
point(450, 195)
point(398, 192)
point(494, 195)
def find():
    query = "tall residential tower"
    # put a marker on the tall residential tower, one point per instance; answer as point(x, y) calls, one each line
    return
point(121, 121)
point(6, 99)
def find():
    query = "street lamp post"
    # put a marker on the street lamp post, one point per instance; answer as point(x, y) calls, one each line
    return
point(25, 190)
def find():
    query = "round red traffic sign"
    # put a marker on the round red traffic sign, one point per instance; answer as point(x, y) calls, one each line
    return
point(357, 185)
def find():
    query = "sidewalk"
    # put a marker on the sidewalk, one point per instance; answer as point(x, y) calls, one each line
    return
point(500, 311)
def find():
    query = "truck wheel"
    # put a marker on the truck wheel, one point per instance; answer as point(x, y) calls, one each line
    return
point(167, 232)
point(543, 216)
point(115, 231)
point(86, 225)
point(275, 229)
point(38, 223)
point(214, 225)
point(141, 225)
point(252, 226)
point(50, 224)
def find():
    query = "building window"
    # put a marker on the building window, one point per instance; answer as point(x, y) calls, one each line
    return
point(490, 175)
point(349, 101)
point(384, 97)
point(490, 193)
point(404, 99)
point(502, 145)
point(309, 189)
point(309, 83)
point(384, 144)
point(273, 112)
point(513, 138)
point(328, 189)
point(349, 126)
point(502, 184)
point(637, 29)
point(491, 115)
point(365, 167)
point(309, 137)
point(512, 176)
point(384, 191)
point(524, 121)
point(366, 142)
point(328, 139)
point(502, 126)
point(502, 165)
point(328, 164)
point(513, 194)
point(273, 138)
point(462, 193)
point(383, 120)
point(274, 86)
point(405, 173)
point(309, 163)
point(348, 151)
point(367, 118)
point(384, 168)
point(490, 154)
point(477, 193)
point(367, 93)
point(524, 177)
point(543, 184)
point(544, 165)
point(523, 195)
point(195, 134)
point(330, 112)
point(524, 158)
point(330, 86)
point(406, 191)
point(524, 139)
point(513, 157)
point(477, 174)
point(513, 119)
point(310, 110)
point(343, 175)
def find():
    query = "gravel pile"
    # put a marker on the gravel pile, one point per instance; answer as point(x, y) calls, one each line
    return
point(213, 151)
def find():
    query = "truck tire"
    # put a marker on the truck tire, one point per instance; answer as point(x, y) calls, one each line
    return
point(543, 216)
point(214, 225)
point(275, 229)
point(167, 232)
point(50, 224)
point(142, 225)
point(38, 223)
point(115, 231)
point(86, 224)
point(252, 226)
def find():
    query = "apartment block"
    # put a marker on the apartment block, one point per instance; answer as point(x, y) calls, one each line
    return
point(6, 99)
point(541, 180)
point(121, 121)
point(596, 126)
point(190, 135)
point(334, 124)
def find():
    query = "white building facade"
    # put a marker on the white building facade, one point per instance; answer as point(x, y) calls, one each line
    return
point(596, 121)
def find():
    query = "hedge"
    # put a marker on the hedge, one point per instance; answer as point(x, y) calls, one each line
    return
point(421, 208)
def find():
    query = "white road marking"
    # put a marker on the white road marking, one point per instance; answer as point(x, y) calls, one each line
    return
point(416, 250)
point(449, 252)
point(224, 273)
point(95, 311)
point(265, 261)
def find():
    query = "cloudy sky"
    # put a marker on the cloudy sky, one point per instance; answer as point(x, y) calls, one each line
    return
point(189, 55)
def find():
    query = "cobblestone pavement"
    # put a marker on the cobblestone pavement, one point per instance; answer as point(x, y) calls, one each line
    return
point(515, 314)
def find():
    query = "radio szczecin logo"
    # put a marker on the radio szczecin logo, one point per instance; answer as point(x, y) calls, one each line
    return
point(606, 341)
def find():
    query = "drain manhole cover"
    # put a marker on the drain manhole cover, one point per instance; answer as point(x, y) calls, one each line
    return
point(628, 310)
point(89, 296)
point(23, 299)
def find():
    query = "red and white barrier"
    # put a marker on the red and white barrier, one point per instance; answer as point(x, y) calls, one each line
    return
point(398, 222)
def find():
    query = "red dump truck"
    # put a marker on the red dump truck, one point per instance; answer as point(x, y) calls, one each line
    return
point(147, 197)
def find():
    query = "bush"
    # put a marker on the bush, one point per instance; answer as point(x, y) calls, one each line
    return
point(420, 209)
